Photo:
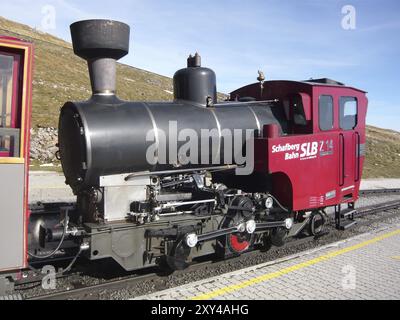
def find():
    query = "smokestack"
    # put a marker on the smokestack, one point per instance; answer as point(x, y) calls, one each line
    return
point(194, 61)
point(101, 43)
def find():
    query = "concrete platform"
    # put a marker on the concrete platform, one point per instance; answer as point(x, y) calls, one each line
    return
point(380, 183)
point(49, 186)
point(364, 267)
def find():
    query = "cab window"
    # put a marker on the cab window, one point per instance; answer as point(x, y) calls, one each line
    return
point(325, 112)
point(9, 134)
point(299, 117)
point(286, 107)
point(348, 113)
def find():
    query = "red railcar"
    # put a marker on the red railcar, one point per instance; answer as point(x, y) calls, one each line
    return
point(319, 161)
point(16, 59)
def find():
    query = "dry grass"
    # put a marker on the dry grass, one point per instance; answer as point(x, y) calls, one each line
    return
point(383, 153)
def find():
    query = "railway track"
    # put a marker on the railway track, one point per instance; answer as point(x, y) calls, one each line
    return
point(131, 280)
point(382, 207)
point(373, 192)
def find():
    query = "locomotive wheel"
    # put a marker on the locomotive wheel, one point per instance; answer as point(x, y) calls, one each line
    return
point(278, 236)
point(266, 242)
point(178, 257)
point(316, 225)
point(239, 243)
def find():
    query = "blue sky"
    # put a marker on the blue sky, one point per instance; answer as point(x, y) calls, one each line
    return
point(287, 39)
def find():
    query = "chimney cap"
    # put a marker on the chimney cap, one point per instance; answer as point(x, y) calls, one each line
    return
point(194, 61)
point(99, 38)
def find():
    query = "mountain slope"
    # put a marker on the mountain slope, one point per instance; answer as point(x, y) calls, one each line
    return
point(383, 153)
point(60, 76)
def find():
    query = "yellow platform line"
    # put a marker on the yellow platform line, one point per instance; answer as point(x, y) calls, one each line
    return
point(276, 274)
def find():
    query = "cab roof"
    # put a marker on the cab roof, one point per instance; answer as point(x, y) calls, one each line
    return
point(327, 82)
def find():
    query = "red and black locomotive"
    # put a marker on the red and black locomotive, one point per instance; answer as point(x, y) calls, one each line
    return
point(277, 154)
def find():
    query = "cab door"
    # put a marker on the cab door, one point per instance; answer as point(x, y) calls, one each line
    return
point(348, 146)
point(15, 103)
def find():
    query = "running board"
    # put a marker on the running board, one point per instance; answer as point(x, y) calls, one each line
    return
point(347, 215)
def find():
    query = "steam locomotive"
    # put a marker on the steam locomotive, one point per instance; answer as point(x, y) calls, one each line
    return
point(163, 183)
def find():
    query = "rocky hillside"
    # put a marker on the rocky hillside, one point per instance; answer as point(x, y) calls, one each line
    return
point(60, 76)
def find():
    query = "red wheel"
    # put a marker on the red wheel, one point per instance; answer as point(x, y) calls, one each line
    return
point(239, 243)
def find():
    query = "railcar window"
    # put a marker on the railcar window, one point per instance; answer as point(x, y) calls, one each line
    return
point(6, 88)
point(325, 111)
point(286, 107)
point(298, 111)
point(348, 113)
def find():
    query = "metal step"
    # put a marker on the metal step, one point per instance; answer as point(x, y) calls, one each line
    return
point(347, 224)
point(347, 212)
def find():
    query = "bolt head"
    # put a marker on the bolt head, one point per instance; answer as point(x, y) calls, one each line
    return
point(269, 203)
point(288, 223)
point(250, 226)
point(191, 240)
point(241, 227)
